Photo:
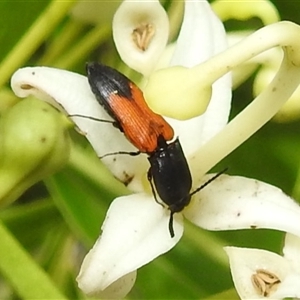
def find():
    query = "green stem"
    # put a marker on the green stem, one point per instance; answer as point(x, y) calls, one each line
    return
point(167, 267)
point(202, 238)
point(97, 172)
point(175, 13)
point(88, 43)
point(62, 42)
point(38, 32)
point(27, 278)
point(296, 189)
point(8, 99)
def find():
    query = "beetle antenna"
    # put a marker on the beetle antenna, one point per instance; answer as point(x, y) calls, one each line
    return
point(208, 182)
point(171, 229)
point(121, 152)
point(91, 118)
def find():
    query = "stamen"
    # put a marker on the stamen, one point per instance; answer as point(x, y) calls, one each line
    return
point(142, 35)
point(265, 282)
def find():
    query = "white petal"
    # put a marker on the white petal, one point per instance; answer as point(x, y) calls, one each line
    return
point(71, 93)
point(291, 250)
point(202, 35)
point(289, 288)
point(189, 133)
point(117, 290)
point(134, 16)
point(244, 263)
point(135, 232)
point(233, 202)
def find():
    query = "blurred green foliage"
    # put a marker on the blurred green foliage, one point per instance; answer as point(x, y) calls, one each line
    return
point(56, 221)
point(16, 18)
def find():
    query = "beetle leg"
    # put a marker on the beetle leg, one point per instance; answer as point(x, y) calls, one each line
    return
point(149, 176)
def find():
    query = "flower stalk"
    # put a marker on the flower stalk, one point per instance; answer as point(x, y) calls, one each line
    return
point(265, 106)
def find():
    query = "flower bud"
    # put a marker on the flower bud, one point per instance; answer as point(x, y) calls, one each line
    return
point(33, 144)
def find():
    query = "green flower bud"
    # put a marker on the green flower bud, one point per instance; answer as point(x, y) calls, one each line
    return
point(34, 143)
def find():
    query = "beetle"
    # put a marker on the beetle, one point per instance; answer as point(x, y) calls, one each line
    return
point(169, 174)
point(172, 178)
point(125, 103)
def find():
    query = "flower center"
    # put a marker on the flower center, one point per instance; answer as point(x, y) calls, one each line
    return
point(265, 282)
point(142, 35)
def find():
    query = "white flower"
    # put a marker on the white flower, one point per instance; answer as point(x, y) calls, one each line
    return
point(262, 274)
point(135, 230)
point(140, 31)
